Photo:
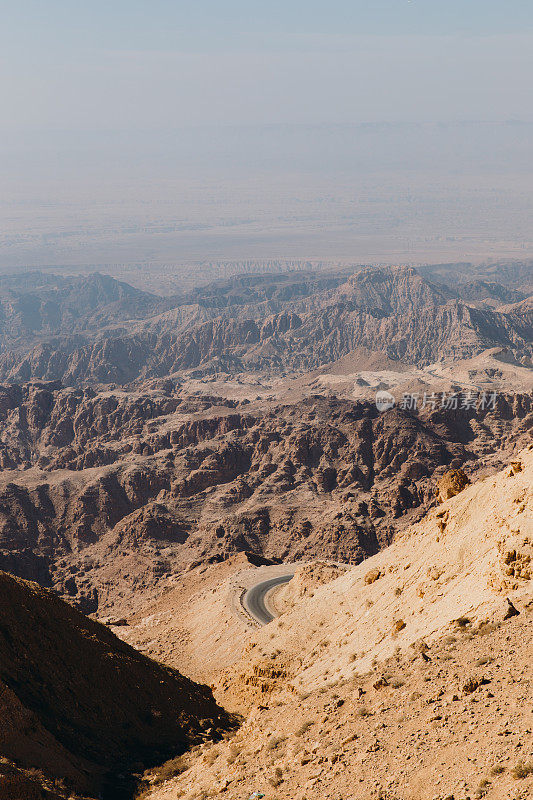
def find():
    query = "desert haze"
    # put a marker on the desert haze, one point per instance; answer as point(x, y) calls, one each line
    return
point(266, 400)
point(145, 206)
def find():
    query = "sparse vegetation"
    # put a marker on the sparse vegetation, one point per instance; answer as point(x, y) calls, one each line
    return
point(449, 640)
point(486, 627)
point(304, 728)
point(483, 788)
point(277, 778)
point(522, 770)
point(234, 752)
point(211, 756)
point(274, 742)
point(170, 769)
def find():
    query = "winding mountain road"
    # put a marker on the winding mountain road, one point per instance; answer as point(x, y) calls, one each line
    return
point(255, 600)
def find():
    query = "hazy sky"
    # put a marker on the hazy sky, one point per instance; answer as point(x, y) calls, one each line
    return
point(156, 64)
point(177, 130)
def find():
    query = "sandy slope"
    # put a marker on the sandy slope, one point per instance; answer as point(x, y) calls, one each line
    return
point(412, 729)
point(452, 564)
point(399, 680)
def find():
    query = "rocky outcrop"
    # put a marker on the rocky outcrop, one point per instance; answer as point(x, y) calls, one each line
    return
point(52, 428)
point(451, 483)
point(105, 492)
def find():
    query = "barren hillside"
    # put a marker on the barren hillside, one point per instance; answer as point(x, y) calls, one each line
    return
point(256, 324)
point(81, 705)
point(407, 678)
point(105, 495)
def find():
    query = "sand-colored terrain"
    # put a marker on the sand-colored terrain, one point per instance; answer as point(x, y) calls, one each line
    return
point(407, 678)
point(165, 460)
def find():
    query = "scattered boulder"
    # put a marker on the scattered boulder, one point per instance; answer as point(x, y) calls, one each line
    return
point(372, 576)
point(512, 611)
point(474, 683)
point(452, 483)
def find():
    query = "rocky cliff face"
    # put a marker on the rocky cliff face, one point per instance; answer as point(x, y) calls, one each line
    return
point(103, 493)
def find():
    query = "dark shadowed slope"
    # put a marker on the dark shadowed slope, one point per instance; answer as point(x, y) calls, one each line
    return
point(84, 705)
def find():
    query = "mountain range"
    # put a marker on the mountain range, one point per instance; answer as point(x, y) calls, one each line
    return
point(110, 332)
point(163, 460)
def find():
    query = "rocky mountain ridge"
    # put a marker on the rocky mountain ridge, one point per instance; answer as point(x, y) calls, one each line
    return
point(297, 326)
point(161, 479)
point(38, 304)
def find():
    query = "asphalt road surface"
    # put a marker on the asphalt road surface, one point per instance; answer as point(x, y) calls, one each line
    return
point(254, 599)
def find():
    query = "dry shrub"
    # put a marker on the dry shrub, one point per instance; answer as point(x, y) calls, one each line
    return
point(522, 770)
point(483, 788)
point(170, 769)
point(304, 728)
point(277, 778)
point(486, 627)
point(211, 756)
point(274, 742)
point(234, 751)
